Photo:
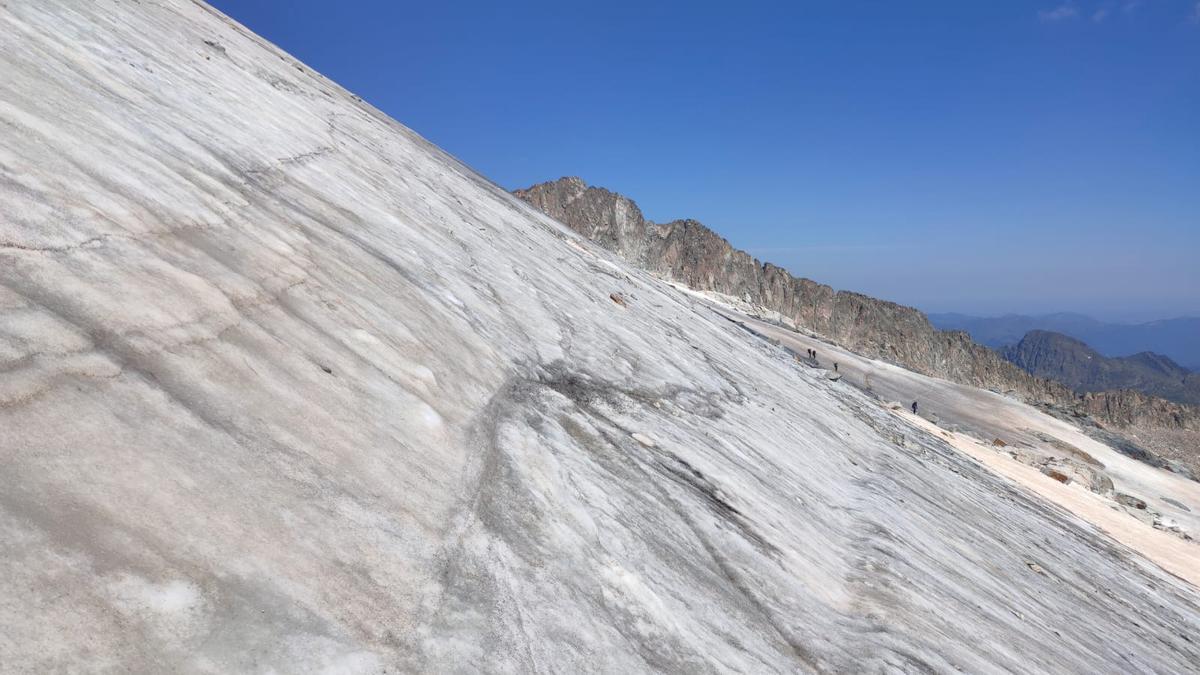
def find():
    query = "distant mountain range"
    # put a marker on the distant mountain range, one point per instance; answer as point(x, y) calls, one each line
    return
point(1178, 339)
point(1075, 364)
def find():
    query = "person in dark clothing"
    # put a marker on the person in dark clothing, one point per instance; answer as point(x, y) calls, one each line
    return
point(835, 366)
point(914, 407)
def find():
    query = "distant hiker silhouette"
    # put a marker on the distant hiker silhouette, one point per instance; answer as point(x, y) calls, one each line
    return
point(914, 407)
point(835, 366)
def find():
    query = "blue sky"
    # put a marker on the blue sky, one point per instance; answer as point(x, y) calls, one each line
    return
point(983, 157)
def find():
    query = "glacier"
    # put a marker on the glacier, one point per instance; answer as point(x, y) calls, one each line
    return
point(286, 388)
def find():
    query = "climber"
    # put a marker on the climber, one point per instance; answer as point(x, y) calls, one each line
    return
point(914, 407)
point(835, 366)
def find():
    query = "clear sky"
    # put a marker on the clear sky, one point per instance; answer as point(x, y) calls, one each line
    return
point(982, 157)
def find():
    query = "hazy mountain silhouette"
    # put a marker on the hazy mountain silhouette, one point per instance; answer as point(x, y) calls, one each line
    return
point(1178, 338)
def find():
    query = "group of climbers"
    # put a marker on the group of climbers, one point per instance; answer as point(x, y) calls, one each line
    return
point(812, 354)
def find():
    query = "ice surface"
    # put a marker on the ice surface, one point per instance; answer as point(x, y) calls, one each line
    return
point(285, 388)
point(973, 419)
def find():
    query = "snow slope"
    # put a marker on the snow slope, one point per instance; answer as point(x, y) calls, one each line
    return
point(977, 417)
point(284, 388)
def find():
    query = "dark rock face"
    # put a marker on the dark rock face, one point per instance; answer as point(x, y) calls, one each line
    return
point(1070, 361)
point(1125, 407)
point(688, 252)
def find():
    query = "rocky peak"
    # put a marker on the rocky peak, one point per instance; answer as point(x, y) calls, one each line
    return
point(1052, 354)
point(1074, 363)
point(611, 220)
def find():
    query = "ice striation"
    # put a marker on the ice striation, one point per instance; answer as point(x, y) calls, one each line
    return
point(285, 388)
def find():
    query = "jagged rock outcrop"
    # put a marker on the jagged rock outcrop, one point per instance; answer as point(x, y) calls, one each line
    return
point(1075, 364)
point(688, 252)
point(1126, 407)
